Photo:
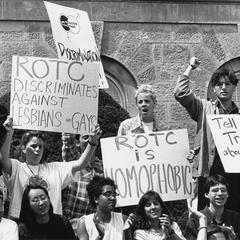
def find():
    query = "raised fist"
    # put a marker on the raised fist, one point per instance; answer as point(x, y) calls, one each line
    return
point(194, 62)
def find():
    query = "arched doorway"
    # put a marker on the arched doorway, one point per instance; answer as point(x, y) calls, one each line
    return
point(122, 84)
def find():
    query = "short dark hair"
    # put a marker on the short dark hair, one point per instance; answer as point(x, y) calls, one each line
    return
point(27, 215)
point(27, 136)
point(95, 187)
point(223, 72)
point(213, 181)
point(142, 220)
point(228, 233)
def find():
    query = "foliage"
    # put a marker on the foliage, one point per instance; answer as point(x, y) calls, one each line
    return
point(110, 115)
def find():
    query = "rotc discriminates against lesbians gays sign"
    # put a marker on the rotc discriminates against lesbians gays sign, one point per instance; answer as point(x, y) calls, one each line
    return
point(54, 95)
point(73, 36)
point(226, 134)
point(155, 161)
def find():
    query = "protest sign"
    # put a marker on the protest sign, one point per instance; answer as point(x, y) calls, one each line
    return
point(73, 36)
point(226, 134)
point(155, 161)
point(54, 95)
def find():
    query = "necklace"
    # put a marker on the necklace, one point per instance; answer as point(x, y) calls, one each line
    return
point(35, 179)
point(34, 174)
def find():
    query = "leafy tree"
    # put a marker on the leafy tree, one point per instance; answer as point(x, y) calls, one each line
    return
point(110, 115)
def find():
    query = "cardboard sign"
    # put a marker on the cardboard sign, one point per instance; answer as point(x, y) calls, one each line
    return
point(155, 161)
point(54, 95)
point(73, 36)
point(226, 134)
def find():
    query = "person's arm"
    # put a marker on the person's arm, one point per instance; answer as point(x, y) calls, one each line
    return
point(88, 152)
point(202, 219)
point(184, 95)
point(82, 231)
point(5, 149)
point(171, 229)
point(139, 235)
point(128, 222)
point(12, 233)
point(122, 129)
point(202, 231)
point(175, 232)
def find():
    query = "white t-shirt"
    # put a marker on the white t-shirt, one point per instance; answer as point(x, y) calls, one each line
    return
point(113, 230)
point(8, 230)
point(148, 127)
point(141, 234)
point(57, 174)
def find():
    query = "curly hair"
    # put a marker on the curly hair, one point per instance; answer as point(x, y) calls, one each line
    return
point(95, 187)
point(142, 220)
point(146, 88)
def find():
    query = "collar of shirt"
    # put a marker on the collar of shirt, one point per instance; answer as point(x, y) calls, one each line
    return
point(137, 126)
point(234, 109)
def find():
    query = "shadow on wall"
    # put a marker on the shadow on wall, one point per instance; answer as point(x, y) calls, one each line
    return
point(110, 115)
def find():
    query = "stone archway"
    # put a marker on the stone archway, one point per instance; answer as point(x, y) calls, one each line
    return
point(122, 84)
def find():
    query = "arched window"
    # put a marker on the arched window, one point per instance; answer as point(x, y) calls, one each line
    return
point(122, 84)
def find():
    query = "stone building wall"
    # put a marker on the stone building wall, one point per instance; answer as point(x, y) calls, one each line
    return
point(153, 40)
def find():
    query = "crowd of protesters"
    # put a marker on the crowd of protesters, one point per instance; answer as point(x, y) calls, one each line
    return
point(72, 199)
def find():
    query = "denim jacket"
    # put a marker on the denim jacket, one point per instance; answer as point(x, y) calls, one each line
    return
point(134, 125)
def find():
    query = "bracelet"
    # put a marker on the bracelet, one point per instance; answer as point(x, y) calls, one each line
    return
point(92, 144)
point(192, 66)
point(202, 228)
point(171, 232)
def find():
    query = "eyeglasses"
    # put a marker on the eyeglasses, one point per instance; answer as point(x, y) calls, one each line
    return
point(109, 194)
point(219, 190)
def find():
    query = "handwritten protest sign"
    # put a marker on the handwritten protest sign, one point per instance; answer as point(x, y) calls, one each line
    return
point(226, 134)
point(73, 36)
point(155, 161)
point(54, 95)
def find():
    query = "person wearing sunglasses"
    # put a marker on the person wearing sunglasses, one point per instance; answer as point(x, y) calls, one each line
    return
point(104, 224)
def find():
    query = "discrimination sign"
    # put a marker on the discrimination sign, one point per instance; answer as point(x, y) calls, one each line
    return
point(73, 36)
point(54, 95)
point(155, 161)
point(226, 134)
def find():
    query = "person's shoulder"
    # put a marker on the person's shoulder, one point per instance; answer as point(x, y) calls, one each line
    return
point(54, 165)
point(232, 213)
point(130, 120)
point(8, 222)
point(16, 161)
point(130, 123)
point(124, 217)
point(140, 233)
